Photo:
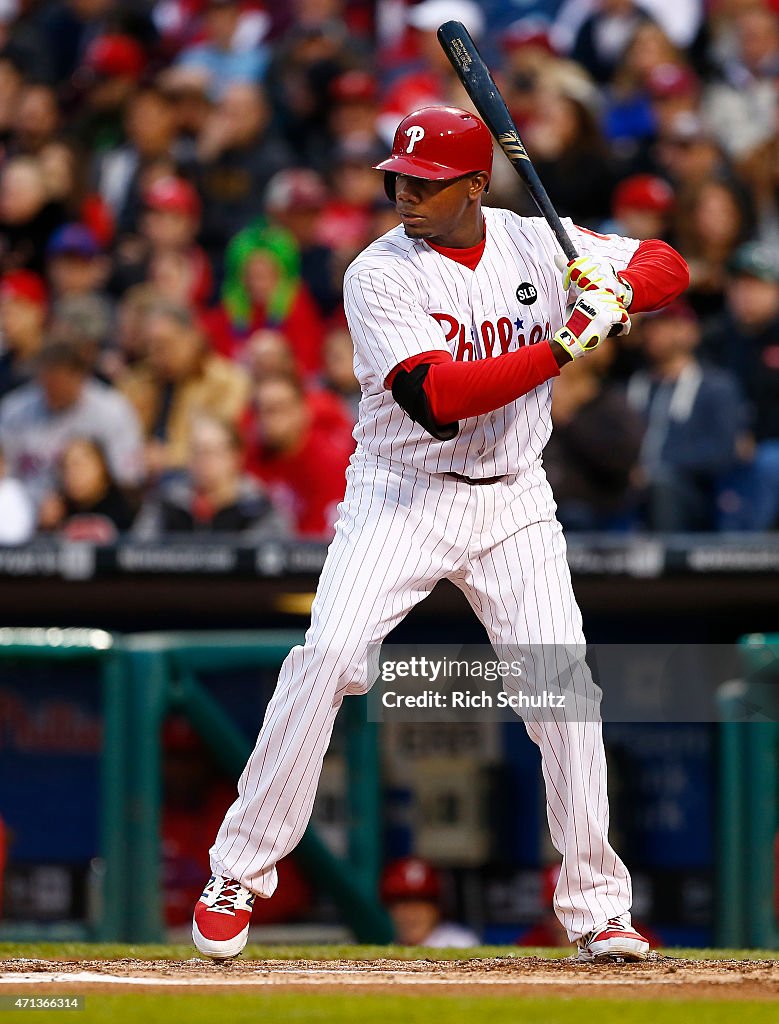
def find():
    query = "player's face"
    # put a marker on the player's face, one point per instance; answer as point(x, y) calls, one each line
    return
point(445, 212)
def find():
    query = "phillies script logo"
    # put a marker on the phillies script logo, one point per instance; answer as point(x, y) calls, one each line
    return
point(496, 338)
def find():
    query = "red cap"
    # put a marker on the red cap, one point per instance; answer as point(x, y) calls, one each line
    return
point(295, 189)
point(676, 310)
point(354, 87)
point(438, 144)
point(644, 192)
point(667, 81)
point(410, 878)
point(25, 285)
point(174, 195)
point(527, 32)
point(115, 55)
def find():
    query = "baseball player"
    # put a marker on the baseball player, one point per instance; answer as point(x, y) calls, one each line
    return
point(459, 320)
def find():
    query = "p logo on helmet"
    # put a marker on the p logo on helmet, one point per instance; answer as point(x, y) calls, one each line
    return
point(415, 134)
point(437, 144)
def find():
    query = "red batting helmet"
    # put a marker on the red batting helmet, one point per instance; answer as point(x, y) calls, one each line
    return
point(410, 878)
point(438, 144)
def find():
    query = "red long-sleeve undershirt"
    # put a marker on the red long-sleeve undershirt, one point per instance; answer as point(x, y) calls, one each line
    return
point(657, 274)
point(456, 390)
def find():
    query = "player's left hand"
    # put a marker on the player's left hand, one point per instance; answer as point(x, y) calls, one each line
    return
point(588, 272)
point(595, 316)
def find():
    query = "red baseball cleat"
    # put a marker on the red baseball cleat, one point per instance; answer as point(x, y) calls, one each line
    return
point(220, 926)
point(616, 939)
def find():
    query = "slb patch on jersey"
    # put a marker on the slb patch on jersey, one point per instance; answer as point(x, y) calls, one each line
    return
point(527, 293)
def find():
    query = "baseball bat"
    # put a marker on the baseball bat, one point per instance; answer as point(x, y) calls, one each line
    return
point(480, 86)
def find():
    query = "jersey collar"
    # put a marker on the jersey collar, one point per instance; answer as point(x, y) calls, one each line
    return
point(465, 257)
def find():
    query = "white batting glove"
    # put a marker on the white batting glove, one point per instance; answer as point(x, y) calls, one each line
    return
point(597, 314)
point(589, 272)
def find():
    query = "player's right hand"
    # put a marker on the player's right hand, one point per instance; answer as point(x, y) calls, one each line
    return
point(588, 273)
point(597, 314)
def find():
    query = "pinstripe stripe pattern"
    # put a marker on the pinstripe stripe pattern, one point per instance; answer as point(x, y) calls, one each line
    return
point(403, 526)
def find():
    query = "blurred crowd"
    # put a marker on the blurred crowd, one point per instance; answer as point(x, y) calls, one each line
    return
point(183, 183)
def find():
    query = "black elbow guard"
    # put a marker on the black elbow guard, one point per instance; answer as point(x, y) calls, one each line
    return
point(408, 391)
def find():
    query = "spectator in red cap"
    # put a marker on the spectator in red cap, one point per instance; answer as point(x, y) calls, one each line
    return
point(115, 56)
point(355, 110)
point(23, 308)
point(642, 206)
point(673, 90)
point(172, 215)
point(109, 74)
point(169, 224)
point(411, 891)
point(694, 415)
point(294, 200)
point(302, 466)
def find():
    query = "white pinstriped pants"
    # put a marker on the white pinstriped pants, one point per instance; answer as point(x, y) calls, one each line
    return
point(398, 533)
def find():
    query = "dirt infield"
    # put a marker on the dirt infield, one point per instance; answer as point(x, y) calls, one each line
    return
point(659, 977)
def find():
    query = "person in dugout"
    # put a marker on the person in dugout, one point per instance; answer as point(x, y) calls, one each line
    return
point(411, 892)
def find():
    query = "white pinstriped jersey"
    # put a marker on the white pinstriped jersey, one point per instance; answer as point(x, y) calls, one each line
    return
point(403, 298)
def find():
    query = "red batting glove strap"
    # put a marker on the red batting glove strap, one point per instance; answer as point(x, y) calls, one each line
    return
point(657, 274)
point(578, 322)
point(581, 281)
point(456, 391)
